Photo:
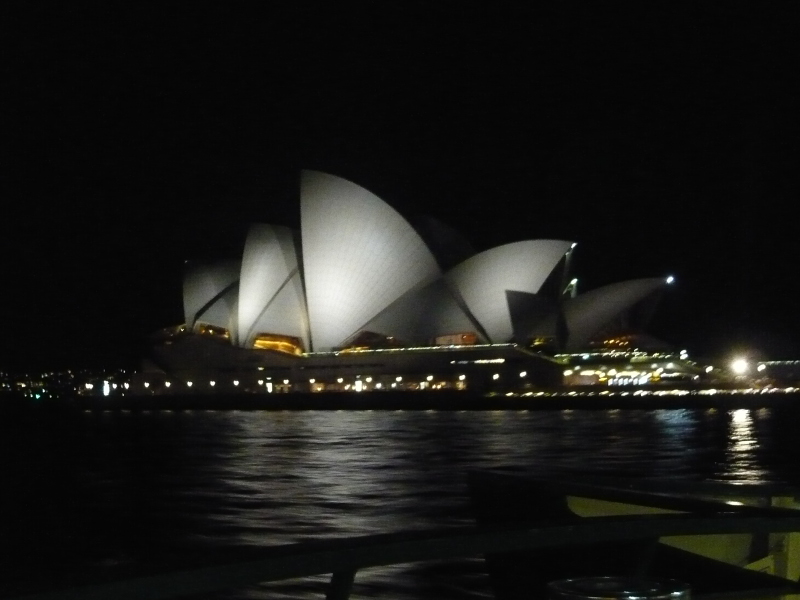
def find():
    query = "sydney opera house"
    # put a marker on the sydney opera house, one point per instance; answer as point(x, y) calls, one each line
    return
point(360, 299)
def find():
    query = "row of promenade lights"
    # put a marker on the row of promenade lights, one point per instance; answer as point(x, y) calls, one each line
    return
point(312, 381)
point(357, 385)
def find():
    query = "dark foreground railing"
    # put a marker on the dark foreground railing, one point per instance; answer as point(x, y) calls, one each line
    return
point(342, 558)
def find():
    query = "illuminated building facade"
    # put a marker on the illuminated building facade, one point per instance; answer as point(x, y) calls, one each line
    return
point(358, 300)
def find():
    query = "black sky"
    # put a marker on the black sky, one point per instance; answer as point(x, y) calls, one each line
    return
point(137, 136)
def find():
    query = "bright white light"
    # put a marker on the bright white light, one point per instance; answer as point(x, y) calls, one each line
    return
point(573, 245)
point(260, 382)
point(740, 366)
point(90, 386)
point(761, 367)
point(312, 381)
point(568, 372)
point(359, 385)
point(496, 376)
point(340, 380)
point(167, 384)
point(235, 382)
point(106, 388)
point(286, 382)
point(189, 384)
point(429, 378)
point(269, 387)
point(709, 369)
point(741, 415)
point(398, 378)
point(369, 379)
point(212, 383)
point(378, 386)
point(670, 279)
point(462, 377)
point(146, 384)
point(523, 374)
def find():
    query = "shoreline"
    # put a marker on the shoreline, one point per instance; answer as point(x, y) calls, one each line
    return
point(572, 399)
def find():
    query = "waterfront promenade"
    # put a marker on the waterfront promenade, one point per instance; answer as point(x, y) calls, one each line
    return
point(589, 397)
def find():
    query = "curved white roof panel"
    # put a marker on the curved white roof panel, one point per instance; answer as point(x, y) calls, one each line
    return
point(271, 296)
point(210, 294)
point(587, 313)
point(359, 256)
point(482, 280)
point(423, 314)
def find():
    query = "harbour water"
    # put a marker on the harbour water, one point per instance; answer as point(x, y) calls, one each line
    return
point(88, 492)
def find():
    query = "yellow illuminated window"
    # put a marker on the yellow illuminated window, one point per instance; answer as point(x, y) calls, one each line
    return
point(279, 343)
point(213, 330)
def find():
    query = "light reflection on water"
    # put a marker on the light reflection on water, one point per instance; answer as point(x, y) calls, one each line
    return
point(134, 487)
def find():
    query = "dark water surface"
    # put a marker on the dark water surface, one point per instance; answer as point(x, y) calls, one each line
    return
point(89, 492)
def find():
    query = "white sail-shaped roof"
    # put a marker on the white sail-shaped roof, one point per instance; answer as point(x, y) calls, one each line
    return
point(359, 256)
point(271, 296)
point(421, 315)
point(587, 313)
point(210, 294)
point(483, 279)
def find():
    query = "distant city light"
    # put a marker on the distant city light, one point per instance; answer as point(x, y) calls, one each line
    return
point(670, 279)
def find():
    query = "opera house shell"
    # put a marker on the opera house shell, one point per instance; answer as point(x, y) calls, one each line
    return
point(360, 299)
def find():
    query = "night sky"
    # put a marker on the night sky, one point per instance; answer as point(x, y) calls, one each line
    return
point(137, 136)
